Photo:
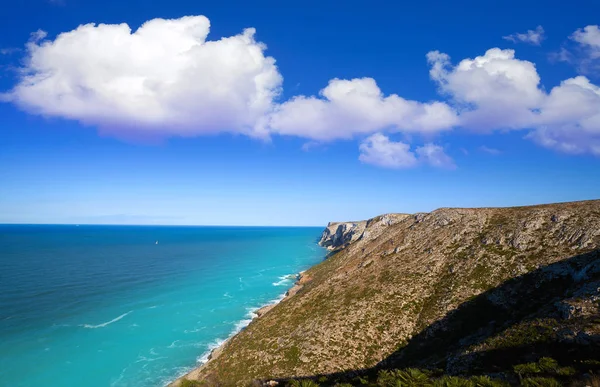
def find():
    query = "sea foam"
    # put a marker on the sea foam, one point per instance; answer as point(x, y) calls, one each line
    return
point(106, 323)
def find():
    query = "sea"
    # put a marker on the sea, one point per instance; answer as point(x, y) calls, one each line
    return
point(134, 305)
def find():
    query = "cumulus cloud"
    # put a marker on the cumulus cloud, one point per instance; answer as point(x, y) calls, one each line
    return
point(589, 37)
point(534, 37)
point(165, 78)
point(494, 90)
point(498, 91)
point(569, 120)
point(379, 150)
point(346, 108)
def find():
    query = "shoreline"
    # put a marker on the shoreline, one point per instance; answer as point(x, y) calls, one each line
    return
point(256, 314)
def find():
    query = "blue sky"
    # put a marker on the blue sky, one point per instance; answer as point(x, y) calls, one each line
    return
point(350, 111)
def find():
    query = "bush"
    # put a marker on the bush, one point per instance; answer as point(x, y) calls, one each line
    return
point(566, 371)
point(453, 381)
point(486, 381)
point(526, 369)
point(540, 382)
point(548, 365)
point(410, 377)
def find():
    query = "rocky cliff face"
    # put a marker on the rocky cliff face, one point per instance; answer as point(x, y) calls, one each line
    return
point(456, 289)
point(338, 235)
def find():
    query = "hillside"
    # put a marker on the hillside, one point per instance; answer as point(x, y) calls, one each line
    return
point(458, 291)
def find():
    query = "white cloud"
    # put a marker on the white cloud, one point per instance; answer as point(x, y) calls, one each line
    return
point(163, 79)
point(348, 107)
point(435, 156)
point(589, 37)
point(495, 90)
point(534, 37)
point(569, 119)
point(167, 79)
point(379, 150)
point(585, 55)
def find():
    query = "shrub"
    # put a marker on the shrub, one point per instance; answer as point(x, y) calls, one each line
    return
point(547, 364)
point(526, 369)
point(410, 377)
point(486, 381)
point(540, 382)
point(453, 381)
point(566, 371)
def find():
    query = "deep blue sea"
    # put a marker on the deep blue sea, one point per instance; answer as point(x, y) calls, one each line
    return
point(134, 305)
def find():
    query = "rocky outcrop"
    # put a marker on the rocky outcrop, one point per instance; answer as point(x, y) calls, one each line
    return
point(443, 289)
point(338, 235)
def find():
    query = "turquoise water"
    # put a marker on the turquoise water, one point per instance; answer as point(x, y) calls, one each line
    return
point(134, 305)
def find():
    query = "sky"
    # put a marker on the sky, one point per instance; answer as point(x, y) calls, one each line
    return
point(293, 113)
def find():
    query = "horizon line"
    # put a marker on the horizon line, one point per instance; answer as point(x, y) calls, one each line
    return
point(151, 225)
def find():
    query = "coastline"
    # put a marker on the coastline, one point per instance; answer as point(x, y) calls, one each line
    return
point(256, 314)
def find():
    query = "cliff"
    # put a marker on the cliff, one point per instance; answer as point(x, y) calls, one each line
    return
point(338, 235)
point(459, 291)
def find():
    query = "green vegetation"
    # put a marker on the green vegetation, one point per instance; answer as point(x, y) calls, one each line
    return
point(525, 333)
point(486, 381)
point(191, 383)
point(540, 382)
point(410, 377)
point(545, 372)
point(546, 366)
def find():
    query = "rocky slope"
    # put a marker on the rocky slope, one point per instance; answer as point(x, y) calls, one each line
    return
point(461, 290)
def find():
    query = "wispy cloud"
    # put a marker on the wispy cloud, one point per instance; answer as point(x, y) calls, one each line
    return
point(9, 50)
point(491, 151)
point(533, 37)
point(584, 52)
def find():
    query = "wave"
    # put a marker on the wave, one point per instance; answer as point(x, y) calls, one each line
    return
point(106, 323)
point(285, 279)
point(211, 347)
